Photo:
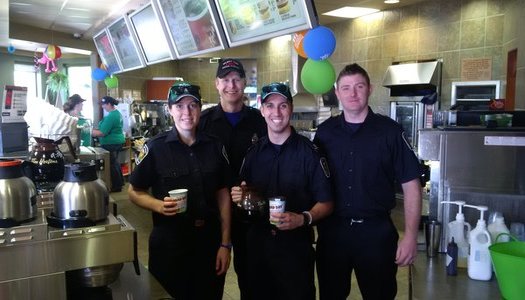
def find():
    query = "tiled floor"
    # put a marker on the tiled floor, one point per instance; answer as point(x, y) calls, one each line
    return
point(141, 220)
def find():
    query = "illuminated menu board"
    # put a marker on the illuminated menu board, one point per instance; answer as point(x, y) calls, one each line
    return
point(125, 46)
point(152, 39)
point(106, 52)
point(248, 21)
point(192, 26)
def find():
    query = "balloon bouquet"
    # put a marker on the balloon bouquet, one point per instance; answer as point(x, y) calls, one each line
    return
point(101, 73)
point(48, 58)
point(316, 45)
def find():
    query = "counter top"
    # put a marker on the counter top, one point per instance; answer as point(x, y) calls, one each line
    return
point(430, 281)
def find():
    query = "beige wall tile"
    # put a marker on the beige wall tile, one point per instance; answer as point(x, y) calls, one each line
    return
point(471, 9)
point(359, 28)
point(448, 38)
point(374, 24)
point(408, 42)
point(472, 33)
point(495, 7)
point(450, 11)
point(391, 21)
point(360, 50)
point(408, 18)
point(427, 40)
point(374, 48)
point(494, 28)
point(451, 65)
point(390, 45)
point(429, 13)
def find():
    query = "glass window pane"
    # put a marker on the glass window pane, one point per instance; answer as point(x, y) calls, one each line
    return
point(80, 83)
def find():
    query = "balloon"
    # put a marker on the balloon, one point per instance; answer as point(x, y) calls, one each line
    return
point(319, 43)
point(318, 77)
point(111, 82)
point(11, 49)
point(99, 74)
point(298, 39)
point(53, 52)
point(103, 67)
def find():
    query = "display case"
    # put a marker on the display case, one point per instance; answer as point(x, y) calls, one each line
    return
point(474, 95)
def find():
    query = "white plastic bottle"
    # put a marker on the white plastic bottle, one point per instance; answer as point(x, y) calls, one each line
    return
point(498, 227)
point(459, 230)
point(479, 263)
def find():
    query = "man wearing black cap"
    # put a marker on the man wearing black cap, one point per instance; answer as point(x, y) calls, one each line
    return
point(189, 252)
point(238, 127)
point(284, 164)
point(111, 138)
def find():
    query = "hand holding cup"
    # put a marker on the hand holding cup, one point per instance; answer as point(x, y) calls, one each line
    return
point(176, 202)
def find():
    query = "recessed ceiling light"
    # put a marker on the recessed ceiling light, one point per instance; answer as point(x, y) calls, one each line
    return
point(351, 12)
point(391, 1)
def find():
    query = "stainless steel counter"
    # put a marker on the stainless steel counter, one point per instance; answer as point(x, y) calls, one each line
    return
point(430, 281)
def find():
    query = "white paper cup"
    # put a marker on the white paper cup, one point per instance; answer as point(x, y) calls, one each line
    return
point(180, 196)
point(276, 205)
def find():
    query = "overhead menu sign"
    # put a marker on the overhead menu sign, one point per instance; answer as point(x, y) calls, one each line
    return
point(193, 26)
point(247, 21)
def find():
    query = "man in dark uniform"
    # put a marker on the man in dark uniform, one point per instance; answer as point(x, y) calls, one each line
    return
point(285, 164)
point(367, 154)
point(189, 252)
point(238, 127)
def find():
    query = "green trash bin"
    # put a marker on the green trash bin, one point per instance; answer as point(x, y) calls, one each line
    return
point(508, 260)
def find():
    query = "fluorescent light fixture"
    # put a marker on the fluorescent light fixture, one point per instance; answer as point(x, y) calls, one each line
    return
point(351, 12)
point(391, 1)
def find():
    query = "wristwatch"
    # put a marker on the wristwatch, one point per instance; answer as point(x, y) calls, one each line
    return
point(307, 218)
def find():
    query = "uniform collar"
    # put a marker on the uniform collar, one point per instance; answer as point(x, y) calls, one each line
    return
point(369, 118)
point(173, 136)
point(220, 114)
point(265, 141)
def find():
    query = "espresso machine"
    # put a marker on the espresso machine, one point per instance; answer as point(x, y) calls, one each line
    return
point(72, 245)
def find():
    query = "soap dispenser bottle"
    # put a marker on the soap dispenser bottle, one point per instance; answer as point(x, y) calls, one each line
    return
point(498, 227)
point(479, 263)
point(459, 230)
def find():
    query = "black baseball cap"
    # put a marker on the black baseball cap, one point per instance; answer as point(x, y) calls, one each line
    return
point(75, 99)
point(276, 88)
point(183, 89)
point(109, 100)
point(228, 65)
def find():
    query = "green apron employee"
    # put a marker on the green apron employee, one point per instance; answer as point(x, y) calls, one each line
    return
point(111, 138)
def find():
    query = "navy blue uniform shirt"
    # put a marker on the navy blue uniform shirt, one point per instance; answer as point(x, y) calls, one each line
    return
point(294, 171)
point(366, 163)
point(168, 164)
point(237, 139)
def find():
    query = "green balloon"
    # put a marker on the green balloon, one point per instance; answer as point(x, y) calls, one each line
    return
point(318, 77)
point(111, 82)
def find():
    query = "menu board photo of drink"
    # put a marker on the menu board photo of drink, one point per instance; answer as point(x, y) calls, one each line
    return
point(248, 21)
point(106, 52)
point(151, 37)
point(192, 25)
point(125, 46)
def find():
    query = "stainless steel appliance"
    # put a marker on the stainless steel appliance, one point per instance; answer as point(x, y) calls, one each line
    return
point(100, 157)
point(474, 95)
point(17, 194)
point(37, 258)
point(415, 91)
point(477, 165)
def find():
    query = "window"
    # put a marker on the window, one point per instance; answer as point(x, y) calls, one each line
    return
point(26, 75)
point(80, 83)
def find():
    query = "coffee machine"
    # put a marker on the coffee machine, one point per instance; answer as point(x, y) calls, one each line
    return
point(40, 261)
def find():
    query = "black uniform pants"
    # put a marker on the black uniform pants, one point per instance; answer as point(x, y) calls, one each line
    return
point(117, 180)
point(239, 232)
point(183, 261)
point(368, 248)
point(281, 264)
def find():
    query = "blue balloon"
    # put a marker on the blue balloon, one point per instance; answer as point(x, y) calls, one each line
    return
point(319, 43)
point(11, 49)
point(99, 74)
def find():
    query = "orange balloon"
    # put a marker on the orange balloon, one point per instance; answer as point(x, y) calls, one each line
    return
point(298, 39)
point(103, 67)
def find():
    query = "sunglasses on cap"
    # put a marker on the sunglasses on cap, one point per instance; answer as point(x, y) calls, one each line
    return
point(181, 90)
point(276, 88)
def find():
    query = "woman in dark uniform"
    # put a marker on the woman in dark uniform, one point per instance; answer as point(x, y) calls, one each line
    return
point(189, 252)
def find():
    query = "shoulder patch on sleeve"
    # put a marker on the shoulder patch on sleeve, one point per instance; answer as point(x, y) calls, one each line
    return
point(324, 166)
point(142, 154)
